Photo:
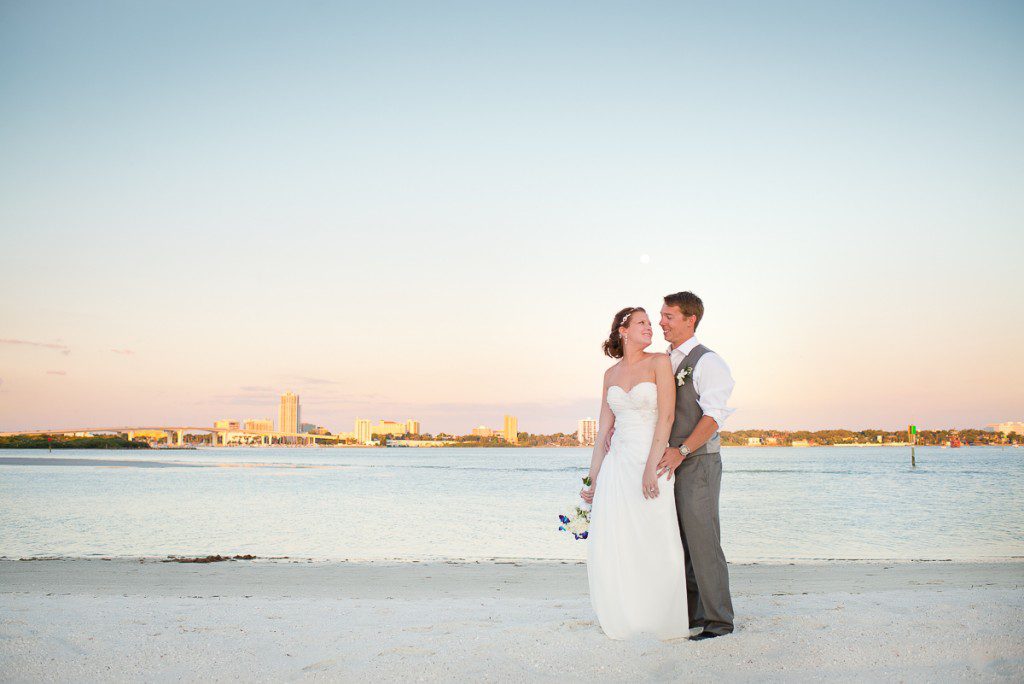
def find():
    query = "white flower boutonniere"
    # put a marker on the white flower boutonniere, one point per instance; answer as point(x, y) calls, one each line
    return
point(682, 375)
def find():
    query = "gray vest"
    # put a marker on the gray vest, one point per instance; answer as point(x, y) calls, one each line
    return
point(688, 411)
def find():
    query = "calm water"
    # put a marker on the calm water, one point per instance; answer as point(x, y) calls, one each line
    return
point(485, 503)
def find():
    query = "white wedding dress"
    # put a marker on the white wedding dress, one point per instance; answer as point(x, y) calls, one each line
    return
point(635, 560)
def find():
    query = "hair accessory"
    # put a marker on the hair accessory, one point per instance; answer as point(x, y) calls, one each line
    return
point(626, 318)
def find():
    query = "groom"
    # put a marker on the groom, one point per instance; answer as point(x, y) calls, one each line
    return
point(703, 386)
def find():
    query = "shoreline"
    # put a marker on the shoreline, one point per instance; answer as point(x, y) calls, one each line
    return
point(459, 445)
point(235, 556)
point(502, 620)
point(273, 573)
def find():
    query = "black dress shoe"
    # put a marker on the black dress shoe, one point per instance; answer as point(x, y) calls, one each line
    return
point(705, 635)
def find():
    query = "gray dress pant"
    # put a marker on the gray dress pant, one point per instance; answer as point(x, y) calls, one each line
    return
point(698, 483)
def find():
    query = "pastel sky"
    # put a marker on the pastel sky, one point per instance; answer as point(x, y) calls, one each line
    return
point(432, 210)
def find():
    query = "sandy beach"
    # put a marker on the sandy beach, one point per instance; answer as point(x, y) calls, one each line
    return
point(288, 619)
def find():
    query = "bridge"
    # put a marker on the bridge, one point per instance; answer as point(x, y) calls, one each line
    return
point(176, 433)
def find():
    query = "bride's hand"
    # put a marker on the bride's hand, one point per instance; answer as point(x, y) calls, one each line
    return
point(650, 483)
point(587, 494)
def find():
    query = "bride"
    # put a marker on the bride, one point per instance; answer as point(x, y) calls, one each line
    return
point(635, 560)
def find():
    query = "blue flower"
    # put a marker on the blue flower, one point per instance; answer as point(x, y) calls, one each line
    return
point(563, 518)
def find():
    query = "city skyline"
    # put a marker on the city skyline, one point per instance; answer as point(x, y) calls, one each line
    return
point(437, 216)
point(363, 429)
point(467, 424)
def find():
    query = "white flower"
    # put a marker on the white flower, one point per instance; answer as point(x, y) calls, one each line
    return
point(579, 521)
point(682, 375)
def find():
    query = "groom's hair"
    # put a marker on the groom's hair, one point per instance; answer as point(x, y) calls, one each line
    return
point(688, 303)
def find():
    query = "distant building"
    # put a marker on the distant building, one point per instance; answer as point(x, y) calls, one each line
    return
point(482, 431)
point(511, 431)
point(754, 441)
point(388, 428)
point(259, 424)
point(224, 424)
point(157, 435)
point(1007, 428)
point(412, 426)
point(307, 427)
point(363, 431)
point(289, 414)
point(800, 443)
point(586, 432)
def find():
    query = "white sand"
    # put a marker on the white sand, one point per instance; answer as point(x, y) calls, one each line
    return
point(75, 620)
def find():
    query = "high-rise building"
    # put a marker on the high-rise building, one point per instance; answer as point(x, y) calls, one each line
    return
point(511, 431)
point(226, 424)
point(363, 431)
point(482, 431)
point(586, 433)
point(289, 414)
point(412, 426)
point(260, 424)
point(388, 428)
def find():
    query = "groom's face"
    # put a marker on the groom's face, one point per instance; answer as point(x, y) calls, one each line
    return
point(676, 327)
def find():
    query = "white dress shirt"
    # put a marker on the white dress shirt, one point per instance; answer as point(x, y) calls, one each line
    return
point(711, 379)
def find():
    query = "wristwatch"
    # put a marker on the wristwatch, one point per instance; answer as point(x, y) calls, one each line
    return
point(684, 450)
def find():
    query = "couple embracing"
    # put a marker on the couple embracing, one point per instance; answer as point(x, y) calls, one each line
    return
point(654, 554)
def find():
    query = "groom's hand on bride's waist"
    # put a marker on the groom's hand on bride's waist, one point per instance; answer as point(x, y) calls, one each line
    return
point(670, 460)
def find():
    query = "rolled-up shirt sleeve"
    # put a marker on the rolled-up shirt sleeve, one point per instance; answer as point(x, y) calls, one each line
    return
point(713, 382)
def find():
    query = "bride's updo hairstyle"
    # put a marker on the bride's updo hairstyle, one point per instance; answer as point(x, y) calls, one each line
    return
point(613, 346)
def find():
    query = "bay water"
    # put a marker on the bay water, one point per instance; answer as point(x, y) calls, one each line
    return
point(778, 504)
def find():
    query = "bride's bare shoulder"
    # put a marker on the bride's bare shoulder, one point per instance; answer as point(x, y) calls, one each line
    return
point(659, 360)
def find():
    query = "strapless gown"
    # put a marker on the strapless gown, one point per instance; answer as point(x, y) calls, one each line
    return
point(635, 561)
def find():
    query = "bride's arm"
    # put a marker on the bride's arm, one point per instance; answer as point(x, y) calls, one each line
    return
point(606, 423)
point(666, 414)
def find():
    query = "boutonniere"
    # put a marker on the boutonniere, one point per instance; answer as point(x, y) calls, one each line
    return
point(682, 375)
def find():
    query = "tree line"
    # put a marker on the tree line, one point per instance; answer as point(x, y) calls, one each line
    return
point(839, 437)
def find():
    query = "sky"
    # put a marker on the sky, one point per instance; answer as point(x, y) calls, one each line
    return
point(433, 210)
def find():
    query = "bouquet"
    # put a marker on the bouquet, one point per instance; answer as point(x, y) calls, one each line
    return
point(577, 523)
